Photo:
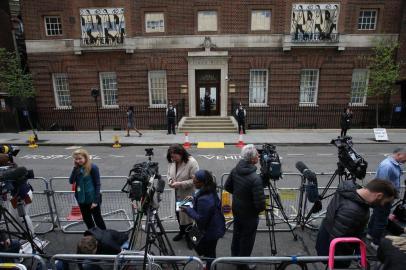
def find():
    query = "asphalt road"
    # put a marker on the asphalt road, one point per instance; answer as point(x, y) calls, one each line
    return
point(50, 161)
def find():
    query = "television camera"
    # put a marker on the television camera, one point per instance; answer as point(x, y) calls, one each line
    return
point(271, 167)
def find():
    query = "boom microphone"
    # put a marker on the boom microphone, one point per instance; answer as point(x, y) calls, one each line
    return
point(311, 187)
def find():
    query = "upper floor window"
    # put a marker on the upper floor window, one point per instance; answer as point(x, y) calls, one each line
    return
point(53, 25)
point(207, 21)
point(108, 86)
point(309, 84)
point(367, 19)
point(154, 22)
point(157, 88)
point(260, 20)
point(359, 84)
point(61, 90)
point(258, 87)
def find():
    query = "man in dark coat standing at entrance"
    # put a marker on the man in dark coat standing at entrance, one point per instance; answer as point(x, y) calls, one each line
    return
point(241, 113)
point(207, 103)
point(171, 118)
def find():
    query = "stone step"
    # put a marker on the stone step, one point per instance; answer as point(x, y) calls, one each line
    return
point(208, 124)
point(207, 131)
point(207, 128)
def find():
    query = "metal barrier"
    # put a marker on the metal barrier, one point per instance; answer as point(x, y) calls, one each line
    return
point(117, 260)
point(38, 261)
point(277, 260)
point(12, 266)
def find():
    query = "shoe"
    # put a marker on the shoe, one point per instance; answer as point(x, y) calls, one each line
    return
point(178, 237)
point(168, 134)
point(374, 246)
point(128, 135)
point(369, 237)
point(174, 133)
point(139, 135)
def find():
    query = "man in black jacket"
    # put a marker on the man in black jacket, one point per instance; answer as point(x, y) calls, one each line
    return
point(248, 201)
point(98, 241)
point(348, 213)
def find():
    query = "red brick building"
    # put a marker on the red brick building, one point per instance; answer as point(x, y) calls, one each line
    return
point(287, 59)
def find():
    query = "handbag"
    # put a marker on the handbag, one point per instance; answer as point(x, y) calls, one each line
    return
point(194, 234)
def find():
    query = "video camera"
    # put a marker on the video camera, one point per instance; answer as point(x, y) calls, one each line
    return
point(11, 178)
point(271, 167)
point(144, 180)
point(349, 158)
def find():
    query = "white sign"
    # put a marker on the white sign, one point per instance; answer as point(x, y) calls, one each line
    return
point(380, 134)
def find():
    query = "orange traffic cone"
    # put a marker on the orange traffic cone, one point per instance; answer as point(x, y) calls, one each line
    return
point(75, 213)
point(186, 144)
point(240, 143)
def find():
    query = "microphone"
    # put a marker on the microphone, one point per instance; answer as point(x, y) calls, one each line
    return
point(311, 187)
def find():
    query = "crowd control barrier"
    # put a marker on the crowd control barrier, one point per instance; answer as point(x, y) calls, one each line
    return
point(38, 262)
point(127, 258)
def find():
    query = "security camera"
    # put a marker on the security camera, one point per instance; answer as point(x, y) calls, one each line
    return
point(226, 78)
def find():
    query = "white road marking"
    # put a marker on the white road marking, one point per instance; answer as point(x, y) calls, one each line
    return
point(330, 154)
point(295, 155)
point(117, 156)
point(73, 147)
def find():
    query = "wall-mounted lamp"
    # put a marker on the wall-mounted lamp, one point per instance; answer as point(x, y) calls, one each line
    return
point(231, 88)
point(183, 89)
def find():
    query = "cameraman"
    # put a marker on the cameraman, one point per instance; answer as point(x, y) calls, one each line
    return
point(8, 246)
point(248, 201)
point(348, 214)
point(389, 170)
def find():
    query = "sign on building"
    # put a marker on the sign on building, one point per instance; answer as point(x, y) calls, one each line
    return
point(315, 22)
point(102, 26)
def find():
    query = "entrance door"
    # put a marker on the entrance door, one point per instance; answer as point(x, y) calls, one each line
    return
point(208, 92)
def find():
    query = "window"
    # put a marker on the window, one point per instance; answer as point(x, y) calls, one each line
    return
point(53, 26)
point(309, 84)
point(260, 20)
point(154, 22)
point(61, 90)
point(157, 88)
point(359, 85)
point(108, 86)
point(367, 19)
point(258, 87)
point(206, 21)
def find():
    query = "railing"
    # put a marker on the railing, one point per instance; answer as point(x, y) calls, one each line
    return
point(320, 116)
point(83, 118)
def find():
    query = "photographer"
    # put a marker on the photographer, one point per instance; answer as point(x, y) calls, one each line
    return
point(8, 246)
point(248, 201)
point(206, 212)
point(181, 169)
point(389, 170)
point(86, 177)
point(348, 213)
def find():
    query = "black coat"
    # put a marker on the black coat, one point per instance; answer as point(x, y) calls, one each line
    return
point(247, 189)
point(347, 214)
point(391, 254)
point(108, 241)
point(345, 122)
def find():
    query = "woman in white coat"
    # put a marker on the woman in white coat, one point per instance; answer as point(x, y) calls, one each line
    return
point(181, 169)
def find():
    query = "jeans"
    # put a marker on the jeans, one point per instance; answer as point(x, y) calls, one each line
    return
point(378, 222)
point(207, 249)
point(245, 230)
point(92, 216)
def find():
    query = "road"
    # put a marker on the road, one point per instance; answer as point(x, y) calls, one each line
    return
point(50, 161)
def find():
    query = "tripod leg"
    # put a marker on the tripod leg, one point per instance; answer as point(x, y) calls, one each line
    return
point(135, 231)
point(279, 205)
point(147, 242)
point(270, 223)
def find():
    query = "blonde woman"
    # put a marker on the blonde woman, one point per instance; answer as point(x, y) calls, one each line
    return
point(86, 178)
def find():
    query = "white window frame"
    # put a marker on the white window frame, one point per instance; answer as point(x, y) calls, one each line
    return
point(56, 94)
point(362, 23)
point(104, 105)
point(364, 99)
point(199, 24)
point(314, 102)
point(258, 104)
point(59, 30)
point(270, 19)
point(150, 73)
point(145, 22)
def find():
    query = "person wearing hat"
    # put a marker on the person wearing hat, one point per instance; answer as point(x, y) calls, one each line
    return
point(171, 118)
point(241, 113)
point(206, 213)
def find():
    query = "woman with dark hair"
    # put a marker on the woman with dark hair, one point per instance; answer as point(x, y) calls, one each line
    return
point(130, 122)
point(206, 212)
point(345, 122)
point(181, 169)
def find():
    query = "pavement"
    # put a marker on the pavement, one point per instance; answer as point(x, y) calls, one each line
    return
point(159, 137)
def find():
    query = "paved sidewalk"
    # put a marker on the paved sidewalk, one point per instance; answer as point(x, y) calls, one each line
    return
point(159, 137)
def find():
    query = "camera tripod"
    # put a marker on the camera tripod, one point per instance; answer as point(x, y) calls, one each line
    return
point(18, 230)
point(302, 219)
point(155, 234)
point(275, 203)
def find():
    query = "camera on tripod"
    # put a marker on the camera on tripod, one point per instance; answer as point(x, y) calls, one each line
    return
point(271, 167)
point(144, 180)
point(12, 178)
point(349, 158)
point(11, 151)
